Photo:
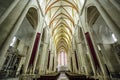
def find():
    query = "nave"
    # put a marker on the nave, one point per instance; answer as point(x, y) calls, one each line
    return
point(59, 39)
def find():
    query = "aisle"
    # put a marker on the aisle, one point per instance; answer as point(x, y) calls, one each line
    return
point(62, 76)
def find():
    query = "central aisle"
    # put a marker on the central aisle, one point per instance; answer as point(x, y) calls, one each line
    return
point(62, 76)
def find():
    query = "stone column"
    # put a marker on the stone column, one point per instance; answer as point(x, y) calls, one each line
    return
point(36, 55)
point(38, 61)
point(99, 57)
point(88, 52)
point(20, 48)
point(51, 62)
point(79, 58)
point(113, 19)
point(46, 61)
point(22, 60)
point(116, 4)
point(7, 12)
point(69, 61)
point(28, 55)
point(10, 25)
point(55, 61)
point(111, 10)
point(43, 58)
point(74, 63)
point(83, 57)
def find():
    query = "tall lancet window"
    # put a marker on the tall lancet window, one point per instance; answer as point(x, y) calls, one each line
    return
point(62, 58)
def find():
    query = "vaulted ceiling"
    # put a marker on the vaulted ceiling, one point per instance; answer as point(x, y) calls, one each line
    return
point(62, 16)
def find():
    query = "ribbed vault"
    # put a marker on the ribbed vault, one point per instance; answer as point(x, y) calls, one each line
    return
point(62, 15)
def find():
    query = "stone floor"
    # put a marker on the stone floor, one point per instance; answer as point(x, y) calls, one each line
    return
point(62, 76)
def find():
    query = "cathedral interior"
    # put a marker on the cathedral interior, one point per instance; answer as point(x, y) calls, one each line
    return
point(59, 39)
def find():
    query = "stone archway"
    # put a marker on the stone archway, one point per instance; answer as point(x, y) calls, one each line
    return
point(103, 39)
point(23, 40)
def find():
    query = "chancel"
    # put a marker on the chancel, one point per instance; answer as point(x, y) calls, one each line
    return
point(59, 39)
